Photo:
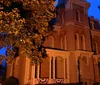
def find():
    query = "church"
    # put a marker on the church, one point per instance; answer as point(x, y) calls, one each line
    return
point(72, 46)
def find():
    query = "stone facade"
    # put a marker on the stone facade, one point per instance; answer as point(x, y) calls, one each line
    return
point(73, 50)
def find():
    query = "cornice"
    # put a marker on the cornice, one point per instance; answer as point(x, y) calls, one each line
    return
point(80, 2)
point(95, 33)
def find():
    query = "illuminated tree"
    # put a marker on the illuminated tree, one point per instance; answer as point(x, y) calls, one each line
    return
point(24, 27)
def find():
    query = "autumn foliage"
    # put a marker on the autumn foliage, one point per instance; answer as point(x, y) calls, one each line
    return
point(24, 27)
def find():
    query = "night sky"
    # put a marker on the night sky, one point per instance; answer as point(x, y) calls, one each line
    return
point(93, 11)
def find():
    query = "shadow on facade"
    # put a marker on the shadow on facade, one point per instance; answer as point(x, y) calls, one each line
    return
point(97, 83)
point(11, 81)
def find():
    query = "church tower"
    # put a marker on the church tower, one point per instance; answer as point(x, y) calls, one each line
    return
point(74, 10)
point(74, 15)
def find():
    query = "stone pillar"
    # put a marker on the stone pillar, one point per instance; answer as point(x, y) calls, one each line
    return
point(38, 68)
point(11, 69)
point(53, 67)
point(16, 67)
point(50, 68)
point(27, 70)
point(33, 75)
point(64, 70)
point(68, 69)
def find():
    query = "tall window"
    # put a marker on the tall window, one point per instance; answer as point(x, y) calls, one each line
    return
point(82, 42)
point(64, 42)
point(63, 18)
point(76, 41)
point(95, 47)
point(44, 68)
point(77, 16)
point(59, 68)
point(49, 42)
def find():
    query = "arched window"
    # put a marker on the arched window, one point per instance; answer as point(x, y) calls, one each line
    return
point(49, 42)
point(64, 42)
point(63, 18)
point(82, 42)
point(95, 47)
point(76, 41)
point(77, 16)
point(51, 39)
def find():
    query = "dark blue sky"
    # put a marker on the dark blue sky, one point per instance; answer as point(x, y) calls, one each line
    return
point(93, 11)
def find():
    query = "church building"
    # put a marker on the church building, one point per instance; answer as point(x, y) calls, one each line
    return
point(73, 49)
